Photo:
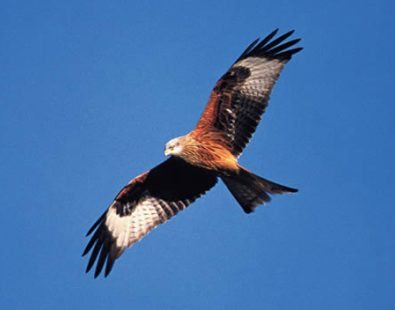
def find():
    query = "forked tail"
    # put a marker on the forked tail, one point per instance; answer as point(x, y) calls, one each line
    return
point(251, 190)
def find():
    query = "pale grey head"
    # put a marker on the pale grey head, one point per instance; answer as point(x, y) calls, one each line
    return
point(174, 147)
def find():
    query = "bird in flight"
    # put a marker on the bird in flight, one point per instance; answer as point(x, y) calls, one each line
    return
point(210, 151)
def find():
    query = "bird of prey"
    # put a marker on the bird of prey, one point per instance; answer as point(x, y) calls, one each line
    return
point(210, 151)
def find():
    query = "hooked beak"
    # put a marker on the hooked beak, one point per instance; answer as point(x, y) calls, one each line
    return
point(167, 152)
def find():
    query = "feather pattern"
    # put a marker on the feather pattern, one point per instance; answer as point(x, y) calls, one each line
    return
point(241, 95)
point(147, 201)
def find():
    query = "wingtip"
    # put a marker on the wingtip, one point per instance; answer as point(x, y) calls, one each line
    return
point(84, 252)
point(109, 265)
point(87, 269)
point(106, 273)
point(272, 46)
point(296, 40)
point(98, 269)
point(291, 32)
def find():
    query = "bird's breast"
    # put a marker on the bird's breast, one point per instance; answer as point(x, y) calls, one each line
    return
point(210, 156)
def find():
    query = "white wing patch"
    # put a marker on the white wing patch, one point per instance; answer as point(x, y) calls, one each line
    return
point(264, 73)
point(145, 216)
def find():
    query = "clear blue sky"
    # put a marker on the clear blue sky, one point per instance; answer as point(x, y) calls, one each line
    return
point(91, 91)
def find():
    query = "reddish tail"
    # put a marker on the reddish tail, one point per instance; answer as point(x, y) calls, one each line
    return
point(251, 190)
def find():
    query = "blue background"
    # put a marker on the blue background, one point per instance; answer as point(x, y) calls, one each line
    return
point(91, 91)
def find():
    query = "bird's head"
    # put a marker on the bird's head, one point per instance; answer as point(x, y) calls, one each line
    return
point(174, 147)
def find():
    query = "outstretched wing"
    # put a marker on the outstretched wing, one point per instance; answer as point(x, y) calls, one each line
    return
point(147, 201)
point(241, 95)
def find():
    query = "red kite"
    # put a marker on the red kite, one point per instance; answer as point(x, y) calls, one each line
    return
point(198, 159)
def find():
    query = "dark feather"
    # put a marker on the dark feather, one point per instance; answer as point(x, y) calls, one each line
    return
point(254, 47)
point(280, 39)
point(102, 258)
